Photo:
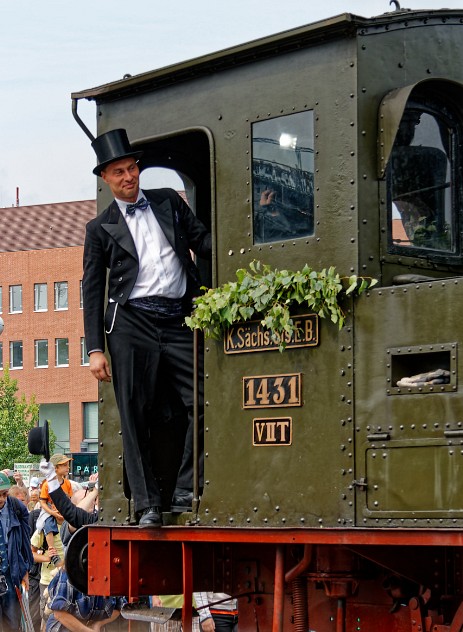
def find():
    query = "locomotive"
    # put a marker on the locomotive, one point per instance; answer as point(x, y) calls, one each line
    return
point(332, 498)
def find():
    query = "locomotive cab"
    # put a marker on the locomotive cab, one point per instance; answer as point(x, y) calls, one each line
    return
point(332, 470)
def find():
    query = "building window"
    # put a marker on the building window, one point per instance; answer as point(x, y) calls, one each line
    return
point(1, 300)
point(84, 360)
point(90, 413)
point(61, 295)
point(58, 417)
point(41, 353)
point(16, 354)
point(62, 352)
point(81, 296)
point(16, 299)
point(40, 297)
point(90, 420)
point(1, 355)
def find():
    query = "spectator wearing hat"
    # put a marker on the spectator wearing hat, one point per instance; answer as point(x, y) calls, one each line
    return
point(49, 522)
point(34, 483)
point(144, 240)
point(15, 555)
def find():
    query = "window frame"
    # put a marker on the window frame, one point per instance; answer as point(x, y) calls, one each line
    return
point(84, 357)
point(14, 367)
point(57, 353)
point(440, 111)
point(57, 286)
point(37, 308)
point(445, 97)
point(11, 298)
point(36, 354)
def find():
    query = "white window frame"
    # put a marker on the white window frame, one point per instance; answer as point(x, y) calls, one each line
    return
point(12, 295)
point(57, 348)
point(37, 295)
point(59, 285)
point(84, 357)
point(13, 367)
point(36, 354)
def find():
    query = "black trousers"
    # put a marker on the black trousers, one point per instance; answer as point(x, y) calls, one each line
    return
point(225, 622)
point(141, 347)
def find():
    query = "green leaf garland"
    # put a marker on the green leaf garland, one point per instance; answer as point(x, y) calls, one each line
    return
point(269, 294)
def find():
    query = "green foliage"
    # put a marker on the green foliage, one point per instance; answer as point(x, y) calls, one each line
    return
point(269, 294)
point(17, 417)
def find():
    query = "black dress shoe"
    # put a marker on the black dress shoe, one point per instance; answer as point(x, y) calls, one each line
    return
point(150, 517)
point(182, 500)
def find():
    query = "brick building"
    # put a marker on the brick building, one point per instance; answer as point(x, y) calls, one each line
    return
point(41, 250)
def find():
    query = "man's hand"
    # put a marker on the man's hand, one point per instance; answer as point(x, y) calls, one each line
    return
point(47, 469)
point(208, 625)
point(18, 477)
point(99, 366)
point(267, 197)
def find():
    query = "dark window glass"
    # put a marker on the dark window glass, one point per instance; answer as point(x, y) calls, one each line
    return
point(422, 189)
point(62, 352)
point(16, 354)
point(283, 172)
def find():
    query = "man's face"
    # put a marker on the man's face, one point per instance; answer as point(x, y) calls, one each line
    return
point(3, 497)
point(122, 177)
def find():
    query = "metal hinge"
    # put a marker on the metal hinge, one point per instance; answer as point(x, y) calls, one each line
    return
point(361, 484)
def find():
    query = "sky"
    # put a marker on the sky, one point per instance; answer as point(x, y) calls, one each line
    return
point(52, 48)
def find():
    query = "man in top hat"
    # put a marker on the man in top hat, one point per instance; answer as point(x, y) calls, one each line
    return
point(144, 239)
point(15, 555)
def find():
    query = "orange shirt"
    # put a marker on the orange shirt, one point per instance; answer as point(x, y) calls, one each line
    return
point(65, 486)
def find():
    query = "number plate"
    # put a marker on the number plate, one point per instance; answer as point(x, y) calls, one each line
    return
point(272, 391)
point(267, 432)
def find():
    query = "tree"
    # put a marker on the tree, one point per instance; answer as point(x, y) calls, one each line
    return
point(17, 417)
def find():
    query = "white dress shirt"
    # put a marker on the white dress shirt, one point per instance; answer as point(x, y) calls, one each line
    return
point(160, 272)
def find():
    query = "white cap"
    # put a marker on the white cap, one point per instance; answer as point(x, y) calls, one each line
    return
point(34, 482)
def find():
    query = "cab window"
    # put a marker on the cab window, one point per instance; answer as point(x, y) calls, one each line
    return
point(422, 184)
point(283, 174)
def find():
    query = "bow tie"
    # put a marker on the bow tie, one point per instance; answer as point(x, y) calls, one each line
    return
point(142, 204)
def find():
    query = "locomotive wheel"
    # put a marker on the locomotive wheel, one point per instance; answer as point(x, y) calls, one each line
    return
point(77, 560)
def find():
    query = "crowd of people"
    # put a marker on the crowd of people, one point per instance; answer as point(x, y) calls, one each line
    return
point(139, 254)
point(35, 592)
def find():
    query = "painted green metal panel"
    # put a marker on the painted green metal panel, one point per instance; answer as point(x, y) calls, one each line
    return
point(408, 443)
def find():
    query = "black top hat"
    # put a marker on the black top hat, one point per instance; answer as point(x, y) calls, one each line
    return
point(38, 441)
point(111, 146)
